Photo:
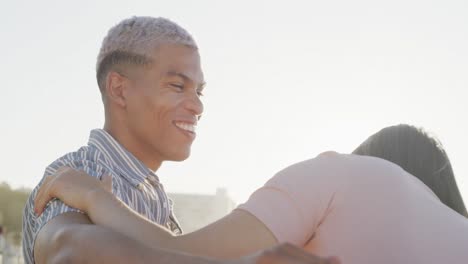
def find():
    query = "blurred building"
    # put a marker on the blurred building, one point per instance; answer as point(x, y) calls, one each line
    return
point(197, 210)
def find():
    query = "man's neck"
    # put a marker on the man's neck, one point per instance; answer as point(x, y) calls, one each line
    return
point(122, 136)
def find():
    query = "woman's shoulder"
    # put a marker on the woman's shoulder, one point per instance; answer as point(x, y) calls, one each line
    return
point(335, 169)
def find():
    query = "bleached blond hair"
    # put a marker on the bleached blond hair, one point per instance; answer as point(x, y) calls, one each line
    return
point(132, 41)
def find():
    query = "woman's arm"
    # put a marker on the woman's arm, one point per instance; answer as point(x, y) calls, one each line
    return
point(236, 234)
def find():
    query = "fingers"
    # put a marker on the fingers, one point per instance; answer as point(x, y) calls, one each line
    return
point(45, 194)
point(107, 182)
point(42, 195)
point(70, 186)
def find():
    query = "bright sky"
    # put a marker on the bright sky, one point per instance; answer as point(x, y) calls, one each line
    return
point(286, 81)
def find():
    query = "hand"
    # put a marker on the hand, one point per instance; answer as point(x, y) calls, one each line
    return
point(285, 254)
point(72, 187)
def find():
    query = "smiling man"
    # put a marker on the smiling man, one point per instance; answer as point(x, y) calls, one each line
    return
point(150, 79)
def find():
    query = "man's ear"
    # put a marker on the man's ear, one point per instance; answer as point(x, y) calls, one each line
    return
point(116, 85)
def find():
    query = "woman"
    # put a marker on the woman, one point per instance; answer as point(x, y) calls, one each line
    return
point(419, 154)
point(361, 209)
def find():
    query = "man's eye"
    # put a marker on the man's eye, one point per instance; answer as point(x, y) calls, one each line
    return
point(177, 86)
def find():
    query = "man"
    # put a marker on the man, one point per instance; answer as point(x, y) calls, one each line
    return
point(150, 79)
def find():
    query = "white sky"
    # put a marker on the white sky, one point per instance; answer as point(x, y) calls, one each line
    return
point(286, 81)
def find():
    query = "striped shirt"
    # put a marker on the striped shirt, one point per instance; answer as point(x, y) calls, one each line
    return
point(133, 183)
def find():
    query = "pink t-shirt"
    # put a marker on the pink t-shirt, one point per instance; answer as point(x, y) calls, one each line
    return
point(364, 210)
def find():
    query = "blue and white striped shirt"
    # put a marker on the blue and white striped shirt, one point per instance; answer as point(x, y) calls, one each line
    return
point(133, 183)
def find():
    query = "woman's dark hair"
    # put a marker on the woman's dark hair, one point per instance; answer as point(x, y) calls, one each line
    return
point(419, 154)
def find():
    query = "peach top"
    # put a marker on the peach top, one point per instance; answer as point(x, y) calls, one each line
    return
point(361, 209)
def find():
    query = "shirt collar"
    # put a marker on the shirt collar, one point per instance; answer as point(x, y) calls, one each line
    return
point(126, 164)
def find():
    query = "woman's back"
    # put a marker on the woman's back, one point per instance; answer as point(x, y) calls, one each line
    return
point(362, 209)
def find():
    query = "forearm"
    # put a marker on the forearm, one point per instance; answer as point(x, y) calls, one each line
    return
point(72, 238)
point(235, 235)
point(91, 244)
point(105, 209)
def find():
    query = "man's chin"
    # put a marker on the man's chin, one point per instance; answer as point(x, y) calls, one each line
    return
point(180, 157)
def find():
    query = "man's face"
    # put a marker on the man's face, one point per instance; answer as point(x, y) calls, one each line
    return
point(163, 103)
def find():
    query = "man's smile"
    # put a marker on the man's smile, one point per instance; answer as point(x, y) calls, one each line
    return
point(187, 127)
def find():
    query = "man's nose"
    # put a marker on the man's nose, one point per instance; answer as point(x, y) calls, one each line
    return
point(195, 105)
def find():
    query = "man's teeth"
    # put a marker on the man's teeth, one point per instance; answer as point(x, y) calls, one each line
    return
point(185, 126)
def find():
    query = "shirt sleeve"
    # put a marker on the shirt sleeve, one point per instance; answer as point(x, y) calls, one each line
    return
point(294, 203)
point(76, 160)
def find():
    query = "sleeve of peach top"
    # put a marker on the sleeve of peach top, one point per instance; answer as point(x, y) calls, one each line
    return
point(296, 200)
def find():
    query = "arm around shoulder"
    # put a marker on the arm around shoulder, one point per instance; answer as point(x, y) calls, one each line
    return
point(72, 238)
